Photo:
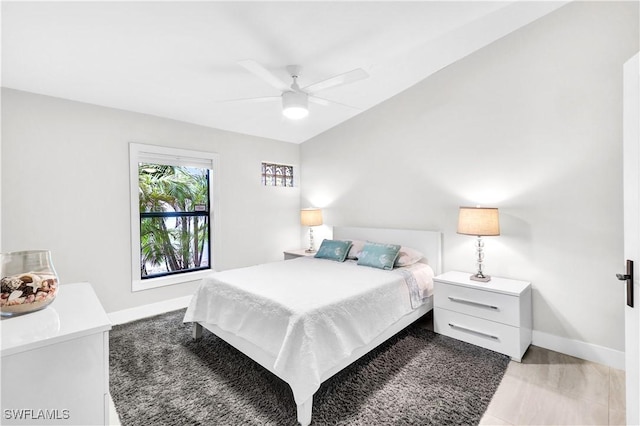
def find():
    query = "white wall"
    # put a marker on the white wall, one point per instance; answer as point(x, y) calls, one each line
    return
point(531, 124)
point(65, 188)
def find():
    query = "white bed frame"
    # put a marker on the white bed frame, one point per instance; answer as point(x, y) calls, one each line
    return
point(428, 242)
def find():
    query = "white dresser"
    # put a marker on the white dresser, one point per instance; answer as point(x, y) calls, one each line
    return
point(55, 362)
point(495, 315)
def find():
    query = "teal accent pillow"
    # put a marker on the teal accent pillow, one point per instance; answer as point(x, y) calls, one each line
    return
point(379, 255)
point(333, 249)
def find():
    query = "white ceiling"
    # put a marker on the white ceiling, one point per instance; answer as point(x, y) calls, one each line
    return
point(179, 59)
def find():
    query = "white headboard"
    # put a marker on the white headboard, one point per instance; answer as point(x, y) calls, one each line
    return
point(427, 242)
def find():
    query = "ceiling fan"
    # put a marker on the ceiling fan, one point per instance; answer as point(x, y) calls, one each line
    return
point(295, 100)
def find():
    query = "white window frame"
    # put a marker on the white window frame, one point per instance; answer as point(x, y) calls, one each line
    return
point(139, 153)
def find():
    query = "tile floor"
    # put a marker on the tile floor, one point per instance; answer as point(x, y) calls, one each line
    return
point(549, 388)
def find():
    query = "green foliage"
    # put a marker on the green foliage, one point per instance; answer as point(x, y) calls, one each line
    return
point(176, 243)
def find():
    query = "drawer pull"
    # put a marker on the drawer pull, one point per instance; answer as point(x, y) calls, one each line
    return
point(471, 302)
point(480, 333)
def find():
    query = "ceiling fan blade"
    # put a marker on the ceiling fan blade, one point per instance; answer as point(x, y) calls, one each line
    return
point(253, 100)
point(263, 73)
point(327, 102)
point(347, 77)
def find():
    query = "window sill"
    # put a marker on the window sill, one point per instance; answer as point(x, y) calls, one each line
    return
point(139, 285)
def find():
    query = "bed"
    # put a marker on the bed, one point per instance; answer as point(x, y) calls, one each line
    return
point(306, 319)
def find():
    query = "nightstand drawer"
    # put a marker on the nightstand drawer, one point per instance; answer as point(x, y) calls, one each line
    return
point(479, 303)
point(495, 336)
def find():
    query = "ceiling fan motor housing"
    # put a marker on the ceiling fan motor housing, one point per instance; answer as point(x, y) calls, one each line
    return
point(295, 105)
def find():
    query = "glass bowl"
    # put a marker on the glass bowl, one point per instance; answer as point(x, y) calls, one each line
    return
point(29, 282)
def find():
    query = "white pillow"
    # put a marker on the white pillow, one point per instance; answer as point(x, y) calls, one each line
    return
point(408, 256)
point(355, 249)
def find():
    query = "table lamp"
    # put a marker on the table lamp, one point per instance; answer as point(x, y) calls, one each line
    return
point(311, 218)
point(481, 222)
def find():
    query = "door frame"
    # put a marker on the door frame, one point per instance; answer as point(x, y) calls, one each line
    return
point(631, 176)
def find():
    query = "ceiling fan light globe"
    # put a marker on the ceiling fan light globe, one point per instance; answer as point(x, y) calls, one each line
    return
point(295, 105)
point(295, 113)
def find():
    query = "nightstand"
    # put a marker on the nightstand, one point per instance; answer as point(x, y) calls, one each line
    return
point(292, 254)
point(495, 315)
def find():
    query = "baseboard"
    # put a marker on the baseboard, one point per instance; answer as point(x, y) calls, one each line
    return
point(578, 349)
point(144, 311)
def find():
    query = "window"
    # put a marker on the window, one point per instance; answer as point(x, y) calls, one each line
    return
point(277, 175)
point(174, 219)
point(172, 192)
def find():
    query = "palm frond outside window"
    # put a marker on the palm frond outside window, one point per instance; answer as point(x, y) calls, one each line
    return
point(174, 219)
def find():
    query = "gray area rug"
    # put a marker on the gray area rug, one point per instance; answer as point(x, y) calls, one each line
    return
point(161, 376)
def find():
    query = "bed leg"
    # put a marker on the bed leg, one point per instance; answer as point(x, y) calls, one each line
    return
point(304, 412)
point(196, 331)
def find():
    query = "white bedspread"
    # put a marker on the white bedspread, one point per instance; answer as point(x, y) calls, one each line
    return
point(308, 313)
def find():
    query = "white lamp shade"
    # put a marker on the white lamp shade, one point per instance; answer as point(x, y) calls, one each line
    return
point(479, 221)
point(295, 105)
point(311, 217)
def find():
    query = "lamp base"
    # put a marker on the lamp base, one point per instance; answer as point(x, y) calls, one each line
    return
point(480, 277)
point(310, 251)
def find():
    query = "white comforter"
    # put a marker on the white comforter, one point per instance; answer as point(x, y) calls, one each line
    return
point(308, 313)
